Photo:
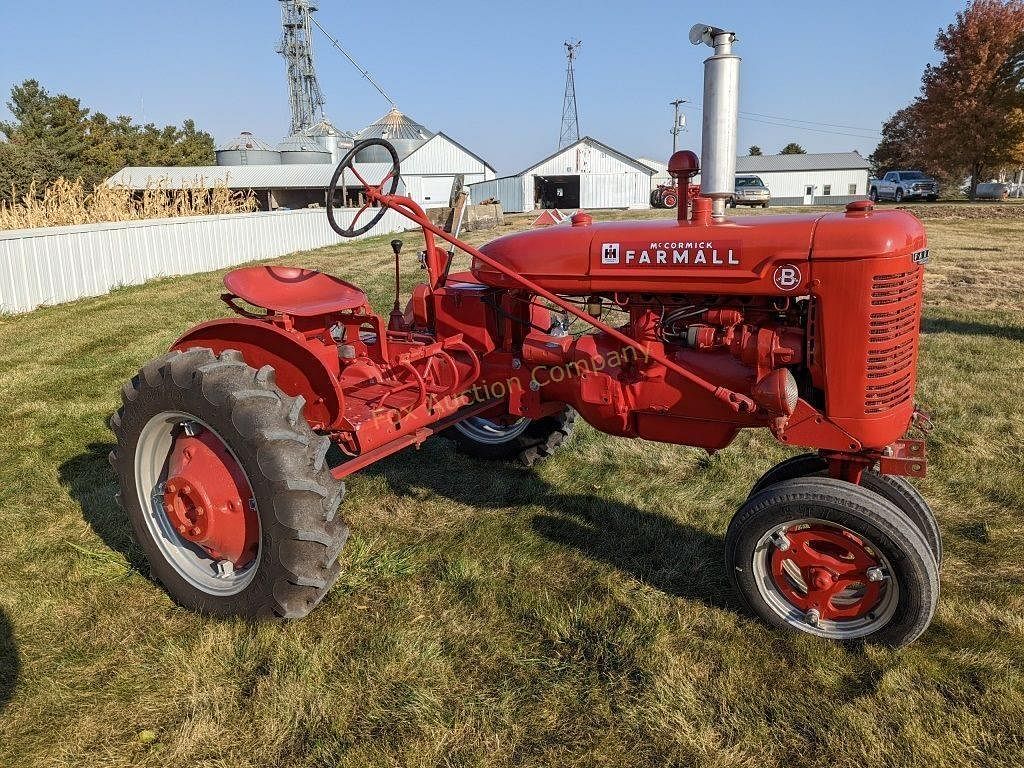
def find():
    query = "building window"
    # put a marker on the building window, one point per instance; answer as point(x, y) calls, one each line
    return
point(827, 190)
point(853, 189)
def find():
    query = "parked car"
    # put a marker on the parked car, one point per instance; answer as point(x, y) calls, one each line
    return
point(750, 190)
point(904, 185)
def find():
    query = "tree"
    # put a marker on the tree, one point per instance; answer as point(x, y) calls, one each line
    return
point(793, 149)
point(755, 151)
point(971, 104)
point(902, 142)
point(54, 136)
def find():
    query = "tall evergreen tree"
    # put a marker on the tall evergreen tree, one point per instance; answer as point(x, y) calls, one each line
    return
point(53, 136)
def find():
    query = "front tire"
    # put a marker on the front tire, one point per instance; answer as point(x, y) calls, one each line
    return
point(831, 559)
point(893, 489)
point(525, 440)
point(899, 196)
point(281, 510)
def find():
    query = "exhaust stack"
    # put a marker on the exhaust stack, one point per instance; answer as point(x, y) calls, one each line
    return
point(721, 113)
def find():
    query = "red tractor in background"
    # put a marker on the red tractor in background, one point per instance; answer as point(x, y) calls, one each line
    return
point(803, 325)
point(666, 196)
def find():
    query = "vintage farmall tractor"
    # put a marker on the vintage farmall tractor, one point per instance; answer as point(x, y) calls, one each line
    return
point(803, 325)
point(665, 196)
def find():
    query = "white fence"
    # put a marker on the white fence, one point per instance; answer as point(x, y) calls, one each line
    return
point(58, 264)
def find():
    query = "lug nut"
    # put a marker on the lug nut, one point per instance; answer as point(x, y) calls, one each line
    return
point(225, 569)
point(780, 541)
point(812, 617)
point(877, 574)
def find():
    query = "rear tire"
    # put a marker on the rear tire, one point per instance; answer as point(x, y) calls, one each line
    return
point(831, 559)
point(296, 497)
point(526, 440)
point(893, 489)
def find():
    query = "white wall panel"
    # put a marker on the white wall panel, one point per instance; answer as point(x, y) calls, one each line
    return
point(509, 190)
point(59, 264)
point(615, 190)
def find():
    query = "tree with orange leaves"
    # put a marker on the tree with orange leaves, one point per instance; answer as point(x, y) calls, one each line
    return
point(969, 118)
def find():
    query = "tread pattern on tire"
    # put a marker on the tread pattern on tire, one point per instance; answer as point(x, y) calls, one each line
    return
point(896, 489)
point(297, 497)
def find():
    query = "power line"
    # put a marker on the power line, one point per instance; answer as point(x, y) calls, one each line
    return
point(365, 73)
point(744, 116)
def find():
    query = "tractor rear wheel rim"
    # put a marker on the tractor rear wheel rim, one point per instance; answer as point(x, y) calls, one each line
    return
point(201, 516)
point(825, 579)
point(490, 432)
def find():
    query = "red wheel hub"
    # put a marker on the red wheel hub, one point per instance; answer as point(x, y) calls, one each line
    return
point(833, 565)
point(208, 500)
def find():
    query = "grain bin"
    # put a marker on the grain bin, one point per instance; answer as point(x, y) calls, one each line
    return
point(404, 133)
point(246, 149)
point(302, 150)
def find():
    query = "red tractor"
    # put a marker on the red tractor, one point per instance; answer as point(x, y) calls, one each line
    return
point(666, 196)
point(802, 325)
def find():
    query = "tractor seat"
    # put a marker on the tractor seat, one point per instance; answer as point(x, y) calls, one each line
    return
point(294, 291)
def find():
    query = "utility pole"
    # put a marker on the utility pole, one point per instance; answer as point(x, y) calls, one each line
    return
point(677, 127)
point(570, 112)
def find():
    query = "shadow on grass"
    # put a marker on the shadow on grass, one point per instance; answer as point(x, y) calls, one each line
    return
point(971, 328)
point(10, 665)
point(91, 482)
point(676, 558)
point(673, 557)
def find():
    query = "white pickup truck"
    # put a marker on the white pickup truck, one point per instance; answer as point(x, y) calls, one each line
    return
point(904, 185)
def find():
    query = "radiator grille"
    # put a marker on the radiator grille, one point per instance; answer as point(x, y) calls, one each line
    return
point(892, 340)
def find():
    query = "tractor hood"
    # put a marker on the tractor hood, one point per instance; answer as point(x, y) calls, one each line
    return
point(660, 256)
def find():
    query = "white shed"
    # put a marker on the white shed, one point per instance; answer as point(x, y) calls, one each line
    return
point(587, 174)
point(835, 178)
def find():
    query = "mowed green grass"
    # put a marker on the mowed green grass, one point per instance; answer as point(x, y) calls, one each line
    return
point(575, 615)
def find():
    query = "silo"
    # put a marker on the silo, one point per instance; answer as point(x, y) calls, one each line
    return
point(246, 149)
point(300, 149)
point(403, 132)
point(338, 143)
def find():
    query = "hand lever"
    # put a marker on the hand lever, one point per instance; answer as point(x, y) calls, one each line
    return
point(397, 318)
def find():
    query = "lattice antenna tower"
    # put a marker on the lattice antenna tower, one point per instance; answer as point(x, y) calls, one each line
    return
point(570, 112)
point(304, 94)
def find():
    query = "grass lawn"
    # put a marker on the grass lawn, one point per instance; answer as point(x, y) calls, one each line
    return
point(575, 615)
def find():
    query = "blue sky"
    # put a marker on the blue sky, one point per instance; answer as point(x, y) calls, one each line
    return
point(491, 75)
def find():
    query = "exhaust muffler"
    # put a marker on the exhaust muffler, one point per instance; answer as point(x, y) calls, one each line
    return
point(721, 116)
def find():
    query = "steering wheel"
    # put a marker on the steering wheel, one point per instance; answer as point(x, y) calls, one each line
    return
point(373, 191)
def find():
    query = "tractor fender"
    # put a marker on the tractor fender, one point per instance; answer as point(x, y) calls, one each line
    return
point(302, 366)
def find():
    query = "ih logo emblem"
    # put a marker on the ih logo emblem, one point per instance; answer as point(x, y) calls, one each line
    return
point(788, 277)
point(610, 253)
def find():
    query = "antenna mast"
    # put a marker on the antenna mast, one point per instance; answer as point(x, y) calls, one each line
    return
point(570, 112)
point(305, 96)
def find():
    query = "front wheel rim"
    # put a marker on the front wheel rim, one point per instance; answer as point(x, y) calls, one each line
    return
point(825, 579)
point(490, 432)
point(201, 516)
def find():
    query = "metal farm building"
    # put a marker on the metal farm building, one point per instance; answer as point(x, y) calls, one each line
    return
point(587, 174)
point(815, 179)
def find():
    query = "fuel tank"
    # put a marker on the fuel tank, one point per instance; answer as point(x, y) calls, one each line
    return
point(749, 255)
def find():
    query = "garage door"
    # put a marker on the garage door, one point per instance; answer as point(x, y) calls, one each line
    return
point(437, 190)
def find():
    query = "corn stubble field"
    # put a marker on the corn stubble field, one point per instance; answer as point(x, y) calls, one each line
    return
point(575, 615)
